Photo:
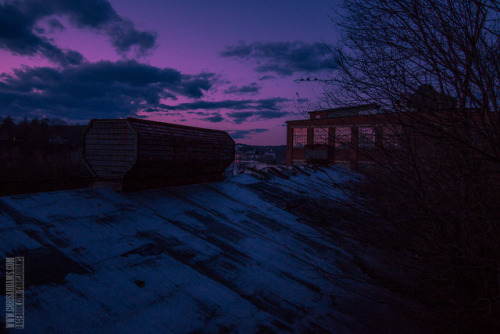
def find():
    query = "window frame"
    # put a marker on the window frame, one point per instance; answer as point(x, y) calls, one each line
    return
point(320, 136)
point(391, 137)
point(343, 140)
point(299, 140)
point(366, 140)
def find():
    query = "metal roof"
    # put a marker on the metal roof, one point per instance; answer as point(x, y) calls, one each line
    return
point(213, 257)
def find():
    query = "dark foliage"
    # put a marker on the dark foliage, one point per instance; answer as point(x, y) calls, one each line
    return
point(436, 196)
point(35, 152)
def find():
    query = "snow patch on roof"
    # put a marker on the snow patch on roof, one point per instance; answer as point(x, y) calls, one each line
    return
point(211, 257)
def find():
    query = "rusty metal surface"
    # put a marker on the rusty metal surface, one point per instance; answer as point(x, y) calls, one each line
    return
point(133, 149)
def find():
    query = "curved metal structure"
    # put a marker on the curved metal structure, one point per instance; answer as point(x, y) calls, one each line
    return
point(129, 154)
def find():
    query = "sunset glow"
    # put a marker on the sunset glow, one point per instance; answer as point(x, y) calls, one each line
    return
point(233, 66)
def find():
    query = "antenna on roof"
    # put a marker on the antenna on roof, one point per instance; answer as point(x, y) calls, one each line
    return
point(309, 79)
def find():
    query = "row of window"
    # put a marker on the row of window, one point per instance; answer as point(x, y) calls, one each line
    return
point(366, 137)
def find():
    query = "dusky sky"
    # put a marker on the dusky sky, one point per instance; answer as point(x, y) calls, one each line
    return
point(228, 65)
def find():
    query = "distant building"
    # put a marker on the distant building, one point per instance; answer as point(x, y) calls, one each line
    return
point(342, 136)
point(354, 137)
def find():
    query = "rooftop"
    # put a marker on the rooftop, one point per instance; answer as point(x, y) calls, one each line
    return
point(232, 256)
point(348, 111)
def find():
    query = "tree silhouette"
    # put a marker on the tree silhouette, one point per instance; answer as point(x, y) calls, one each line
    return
point(434, 66)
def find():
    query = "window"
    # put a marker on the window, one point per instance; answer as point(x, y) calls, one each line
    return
point(366, 136)
point(391, 138)
point(342, 137)
point(299, 137)
point(320, 136)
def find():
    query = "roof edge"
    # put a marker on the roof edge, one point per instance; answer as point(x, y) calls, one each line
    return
point(349, 108)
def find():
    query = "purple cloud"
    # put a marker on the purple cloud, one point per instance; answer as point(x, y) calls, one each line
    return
point(282, 58)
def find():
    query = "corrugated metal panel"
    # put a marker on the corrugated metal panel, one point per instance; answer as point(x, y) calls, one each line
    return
point(109, 148)
point(146, 149)
point(183, 151)
point(210, 259)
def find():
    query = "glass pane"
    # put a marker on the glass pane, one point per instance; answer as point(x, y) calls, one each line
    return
point(391, 138)
point(366, 136)
point(320, 135)
point(299, 137)
point(342, 137)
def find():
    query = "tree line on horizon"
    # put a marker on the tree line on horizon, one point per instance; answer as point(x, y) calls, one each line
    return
point(39, 149)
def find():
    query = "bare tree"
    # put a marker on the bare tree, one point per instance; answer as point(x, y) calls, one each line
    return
point(435, 66)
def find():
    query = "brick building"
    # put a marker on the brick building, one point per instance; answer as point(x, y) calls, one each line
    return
point(342, 136)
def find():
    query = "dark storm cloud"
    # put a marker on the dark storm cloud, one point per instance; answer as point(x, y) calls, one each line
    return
point(248, 89)
point(261, 104)
point(282, 58)
point(100, 15)
point(81, 13)
point(17, 36)
point(193, 85)
point(55, 24)
point(92, 90)
point(267, 77)
point(199, 113)
point(214, 119)
point(241, 134)
point(124, 37)
point(239, 117)
point(239, 110)
point(20, 34)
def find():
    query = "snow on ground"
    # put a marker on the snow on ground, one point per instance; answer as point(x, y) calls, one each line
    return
point(213, 257)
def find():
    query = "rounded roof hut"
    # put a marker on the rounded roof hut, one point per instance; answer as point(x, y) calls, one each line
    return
point(131, 153)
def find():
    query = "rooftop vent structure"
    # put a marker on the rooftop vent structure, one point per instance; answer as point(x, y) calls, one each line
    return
point(130, 154)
